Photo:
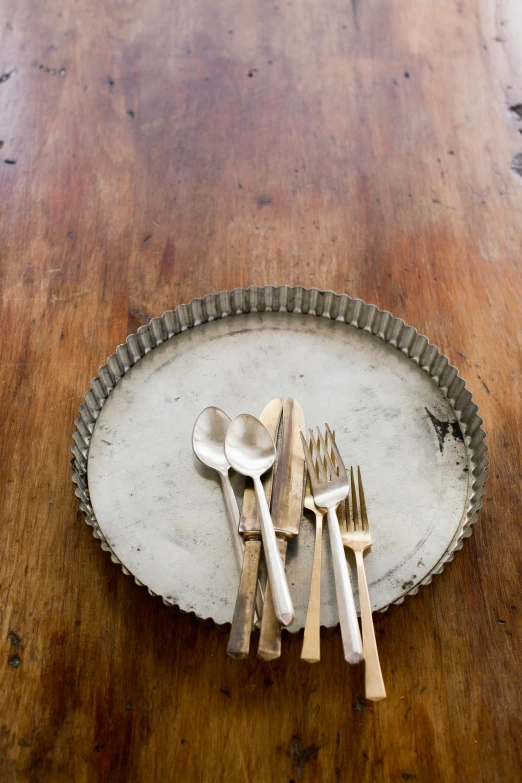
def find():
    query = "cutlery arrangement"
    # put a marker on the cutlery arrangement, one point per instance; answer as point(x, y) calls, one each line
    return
point(285, 471)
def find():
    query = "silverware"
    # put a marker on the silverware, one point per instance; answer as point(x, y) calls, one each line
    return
point(250, 450)
point(311, 651)
point(287, 507)
point(330, 486)
point(250, 528)
point(356, 535)
point(208, 443)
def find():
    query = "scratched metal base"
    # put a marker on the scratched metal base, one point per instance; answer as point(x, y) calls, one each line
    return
point(399, 410)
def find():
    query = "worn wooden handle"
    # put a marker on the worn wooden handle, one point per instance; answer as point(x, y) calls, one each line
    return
point(311, 651)
point(270, 637)
point(239, 641)
point(373, 681)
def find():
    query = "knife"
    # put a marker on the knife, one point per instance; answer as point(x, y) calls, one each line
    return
point(250, 529)
point(287, 509)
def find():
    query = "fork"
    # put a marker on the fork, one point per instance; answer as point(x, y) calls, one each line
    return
point(311, 651)
point(356, 535)
point(330, 486)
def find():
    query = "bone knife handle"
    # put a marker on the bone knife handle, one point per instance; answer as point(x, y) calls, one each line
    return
point(270, 637)
point(239, 641)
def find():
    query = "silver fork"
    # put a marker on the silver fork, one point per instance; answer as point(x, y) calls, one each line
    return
point(356, 535)
point(330, 486)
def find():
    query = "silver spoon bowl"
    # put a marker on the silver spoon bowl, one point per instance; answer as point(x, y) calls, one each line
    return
point(208, 443)
point(249, 448)
point(208, 438)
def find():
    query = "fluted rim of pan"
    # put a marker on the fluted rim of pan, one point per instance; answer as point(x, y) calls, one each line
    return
point(309, 301)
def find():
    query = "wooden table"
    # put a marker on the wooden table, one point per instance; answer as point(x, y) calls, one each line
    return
point(155, 152)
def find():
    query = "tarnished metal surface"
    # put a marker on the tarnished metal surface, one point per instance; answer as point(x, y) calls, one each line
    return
point(399, 409)
point(288, 491)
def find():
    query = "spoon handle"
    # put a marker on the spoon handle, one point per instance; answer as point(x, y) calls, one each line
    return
point(233, 516)
point(284, 609)
point(230, 500)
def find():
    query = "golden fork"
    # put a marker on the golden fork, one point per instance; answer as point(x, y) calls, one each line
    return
point(311, 651)
point(355, 531)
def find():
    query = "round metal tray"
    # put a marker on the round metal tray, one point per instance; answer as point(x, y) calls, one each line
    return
point(398, 407)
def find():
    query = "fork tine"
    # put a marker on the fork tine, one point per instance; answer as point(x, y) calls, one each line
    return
point(332, 453)
point(309, 462)
point(322, 472)
point(343, 511)
point(355, 504)
point(349, 505)
point(312, 453)
point(329, 437)
point(348, 511)
point(362, 502)
point(321, 447)
point(311, 445)
point(345, 505)
point(331, 469)
point(325, 464)
point(334, 462)
point(344, 520)
point(338, 458)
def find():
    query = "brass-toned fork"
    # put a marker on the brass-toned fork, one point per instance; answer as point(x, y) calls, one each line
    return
point(355, 530)
point(311, 651)
point(330, 486)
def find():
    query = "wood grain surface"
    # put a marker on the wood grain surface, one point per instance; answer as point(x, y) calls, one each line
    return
point(151, 153)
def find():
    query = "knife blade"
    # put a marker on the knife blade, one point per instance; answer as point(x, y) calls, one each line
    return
point(287, 509)
point(250, 529)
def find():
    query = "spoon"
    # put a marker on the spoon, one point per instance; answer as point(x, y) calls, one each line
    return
point(250, 450)
point(208, 443)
